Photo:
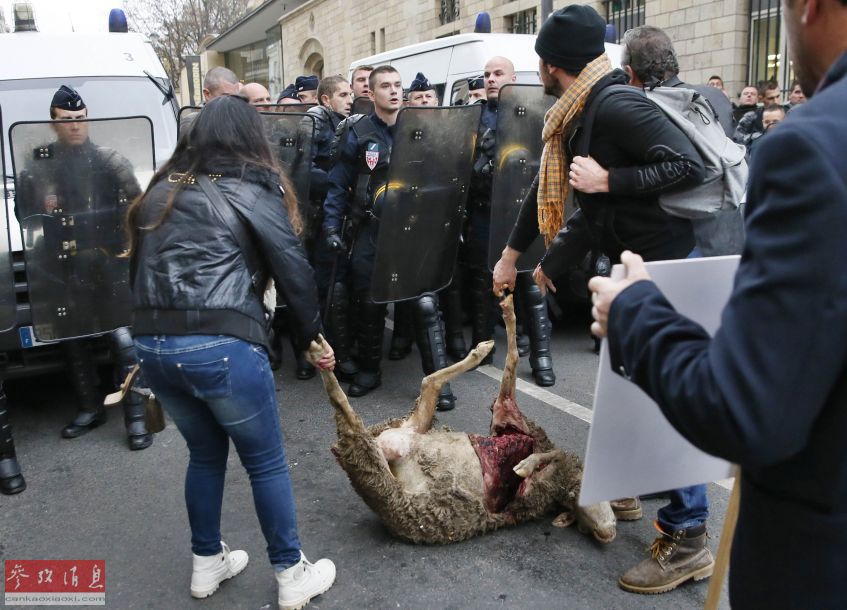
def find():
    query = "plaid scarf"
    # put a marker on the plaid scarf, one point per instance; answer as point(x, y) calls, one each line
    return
point(553, 183)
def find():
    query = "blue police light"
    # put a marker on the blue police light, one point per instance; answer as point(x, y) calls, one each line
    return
point(117, 21)
point(611, 33)
point(483, 24)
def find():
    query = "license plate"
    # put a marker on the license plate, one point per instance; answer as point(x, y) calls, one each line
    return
point(28, 337)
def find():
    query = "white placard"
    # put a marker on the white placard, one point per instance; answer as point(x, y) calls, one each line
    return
point(632, 449)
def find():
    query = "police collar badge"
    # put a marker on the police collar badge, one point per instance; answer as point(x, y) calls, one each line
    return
point(372, 155)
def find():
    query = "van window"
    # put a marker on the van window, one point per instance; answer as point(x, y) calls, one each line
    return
point(459, 95)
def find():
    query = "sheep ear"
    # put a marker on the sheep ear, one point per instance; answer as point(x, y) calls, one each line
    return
point(566, 519)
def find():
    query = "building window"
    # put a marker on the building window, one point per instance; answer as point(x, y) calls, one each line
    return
point(624, 15)
point(768, 46)
point(449, 11)
point(524, 22)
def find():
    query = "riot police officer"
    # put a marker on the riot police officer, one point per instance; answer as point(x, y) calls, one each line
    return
point(11, 479)
point(532, 308)
point(307, 89)
point(357, 183)
point(86, 187)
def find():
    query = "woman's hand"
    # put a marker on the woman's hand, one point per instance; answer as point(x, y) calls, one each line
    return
point(327, 361)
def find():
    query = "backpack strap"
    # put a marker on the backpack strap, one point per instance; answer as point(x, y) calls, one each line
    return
point(590, 114)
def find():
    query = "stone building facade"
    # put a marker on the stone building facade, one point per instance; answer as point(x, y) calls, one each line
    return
point(740, 40)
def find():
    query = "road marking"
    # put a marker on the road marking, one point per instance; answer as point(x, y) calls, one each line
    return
point(562, 404)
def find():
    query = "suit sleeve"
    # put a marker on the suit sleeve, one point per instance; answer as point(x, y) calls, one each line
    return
point(294, 278)
point(667, 158)
point(753, 392)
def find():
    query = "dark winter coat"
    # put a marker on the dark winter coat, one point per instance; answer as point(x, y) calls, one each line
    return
point(189, 276)
point(646, 155)
point(769, 391)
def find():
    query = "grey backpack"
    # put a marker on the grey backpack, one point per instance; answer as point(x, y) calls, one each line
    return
point(726, 169)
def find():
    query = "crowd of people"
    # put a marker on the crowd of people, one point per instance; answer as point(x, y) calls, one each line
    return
point(220, 223)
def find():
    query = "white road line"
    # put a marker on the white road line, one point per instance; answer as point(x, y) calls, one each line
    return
point(562, 404)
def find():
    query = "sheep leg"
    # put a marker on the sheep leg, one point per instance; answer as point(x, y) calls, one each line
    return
point(346, 419)
point(505, 415)
point(420, 419)
point(532, 462)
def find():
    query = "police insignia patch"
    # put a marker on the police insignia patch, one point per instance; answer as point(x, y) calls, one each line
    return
point(372, 155)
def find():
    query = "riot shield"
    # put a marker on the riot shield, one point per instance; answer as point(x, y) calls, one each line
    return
point(74, 181)
point(520, 121)
point(362, 105)
point(185, 118)
point(7, 277)
point(291, 137)
point(420, 217)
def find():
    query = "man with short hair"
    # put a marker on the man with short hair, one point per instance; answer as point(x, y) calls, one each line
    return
point(421, 92)
point(307, 89)
point(796, 95)
point(359, 81)
point(748, 100)
point(220, 81)
point(84, 185)
point(772, 115)
point(357, 184)
point(257, 95)
point(750, 126)
point(769, 93)
point(767, 391)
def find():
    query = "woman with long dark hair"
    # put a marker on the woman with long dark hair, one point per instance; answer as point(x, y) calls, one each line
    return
point(214, 225)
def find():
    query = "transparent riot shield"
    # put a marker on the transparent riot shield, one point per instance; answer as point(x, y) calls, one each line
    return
point(420, 216)
point(362, 105)
point(185, 118)
point(7, 278)
point(74, 181)
point(291, 136)
point(295, 107)
point(520, 121)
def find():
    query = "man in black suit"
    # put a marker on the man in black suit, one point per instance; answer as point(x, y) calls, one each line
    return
point(769, 391)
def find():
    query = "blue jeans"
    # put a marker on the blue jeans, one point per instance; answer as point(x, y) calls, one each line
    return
point(216, 388)
point(689, 507)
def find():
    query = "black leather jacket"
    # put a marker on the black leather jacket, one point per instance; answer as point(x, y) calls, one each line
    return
point(189, 276)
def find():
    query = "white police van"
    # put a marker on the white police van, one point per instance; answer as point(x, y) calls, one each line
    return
point(448, 62)
point(118, 75)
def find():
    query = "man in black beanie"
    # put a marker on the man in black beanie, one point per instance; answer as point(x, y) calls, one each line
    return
point(614, 152)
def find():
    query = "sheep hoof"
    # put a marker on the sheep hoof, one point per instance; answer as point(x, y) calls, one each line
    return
point(566, 519)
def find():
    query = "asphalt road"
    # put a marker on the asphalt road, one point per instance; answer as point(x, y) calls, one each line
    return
point(91, 498)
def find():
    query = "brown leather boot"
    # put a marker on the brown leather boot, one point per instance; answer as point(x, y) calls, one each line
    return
point(676, 558)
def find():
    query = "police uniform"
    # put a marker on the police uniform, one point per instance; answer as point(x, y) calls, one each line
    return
point(531, 307)
point(77, 187)
point(357, 184)
point(11, 479)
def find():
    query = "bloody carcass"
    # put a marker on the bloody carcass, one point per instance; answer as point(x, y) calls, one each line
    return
point(438, 486)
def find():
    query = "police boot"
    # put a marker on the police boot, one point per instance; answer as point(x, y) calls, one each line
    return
point(482, 323)
point(675, 557)
point(340, 336)
point(84, 378)
point(401, 336)
point(538, 325)
point(521, 338)
point(430, 337)
point(133, 402)
point(451, 306)
point(11, 479)
point(370, 329)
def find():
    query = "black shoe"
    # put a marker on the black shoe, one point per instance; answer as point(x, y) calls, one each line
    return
point(11, 480)
point(400, 347)
point(304, 369)
point(523, 345)
point(84, 422)
point(346, 371)
point(544, 377)
point(446, 400)
point(363, 383)
point(137, 442)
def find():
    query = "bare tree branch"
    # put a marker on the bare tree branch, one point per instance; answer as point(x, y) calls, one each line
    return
point(177, 27)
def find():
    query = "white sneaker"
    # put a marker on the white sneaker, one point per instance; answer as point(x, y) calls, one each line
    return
point(210, 572)
point(303, 581)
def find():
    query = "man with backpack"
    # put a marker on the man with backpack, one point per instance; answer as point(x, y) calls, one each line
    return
point(621, 153)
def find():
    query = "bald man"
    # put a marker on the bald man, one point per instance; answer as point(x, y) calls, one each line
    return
point(500, 71)
point(257, 95)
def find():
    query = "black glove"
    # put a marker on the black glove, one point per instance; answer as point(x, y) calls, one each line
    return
point(334, 241)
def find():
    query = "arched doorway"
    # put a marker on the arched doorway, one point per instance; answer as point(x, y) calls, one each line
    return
point(312, 57)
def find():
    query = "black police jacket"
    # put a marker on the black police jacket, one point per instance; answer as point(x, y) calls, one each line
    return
point(189, 275)
point(648, 155)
